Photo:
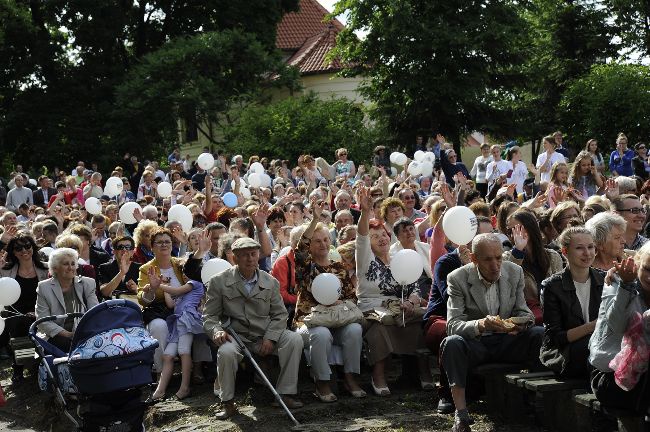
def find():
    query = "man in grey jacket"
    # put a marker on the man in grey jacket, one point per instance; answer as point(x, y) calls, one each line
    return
point(251, 299)
point(480, 295)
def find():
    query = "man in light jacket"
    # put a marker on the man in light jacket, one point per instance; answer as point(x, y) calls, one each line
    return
point(250, 299)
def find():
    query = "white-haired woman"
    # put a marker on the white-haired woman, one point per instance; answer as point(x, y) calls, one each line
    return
point(63, 293)
point(608, 230)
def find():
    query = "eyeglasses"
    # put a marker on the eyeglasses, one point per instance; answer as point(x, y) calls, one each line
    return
point(124, 247)
point(408, 197)
point(376, 194)
point(634, 210)
point(162, 243)
point(22, 247)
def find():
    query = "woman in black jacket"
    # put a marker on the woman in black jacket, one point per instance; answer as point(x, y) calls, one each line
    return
point(571, 300)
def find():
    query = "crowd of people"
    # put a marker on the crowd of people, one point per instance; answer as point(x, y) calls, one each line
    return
point(558, 268)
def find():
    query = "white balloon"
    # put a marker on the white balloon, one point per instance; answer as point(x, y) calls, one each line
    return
point(406, 266)
point(93, 205)
point(2, 325)
point(126, 212)
point(266, 180)
point(430, 156)
point(242, 184)
point(46, 251)
point(212, 268)
point(114, 186)
point(205, 161)
point(400, 159)
point(460, 225)
point(164, 189)
point(181, 214)
point(257, 168)
point(393, 171)
point(245, 192)
point(426, 168)
point(255, 180)
point(9, 291)
point(418, 155)
point(33, 183)
point(326, 288)
point(393, 157)
point(414, 168)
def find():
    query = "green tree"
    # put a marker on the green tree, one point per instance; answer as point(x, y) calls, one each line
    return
point(301, 125)
point(198, 77)
point(567, 38)
point(75, 54)
point(435, 66)
point(632, 21)
point(610, 99)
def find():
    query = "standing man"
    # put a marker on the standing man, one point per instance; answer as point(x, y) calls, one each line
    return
point(480, 293)
point(497, 170)
point(19, 194)
point(41, 196)
point(250, 299)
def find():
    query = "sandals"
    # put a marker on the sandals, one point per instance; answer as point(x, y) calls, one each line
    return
point(325, 398)
point(379, 391)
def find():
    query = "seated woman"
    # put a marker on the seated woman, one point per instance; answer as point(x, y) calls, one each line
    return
point(377, 285)
point(626, 293)
point(406, 234)
point(608, 230)
point(152, 298)
point(63, 293)
point(312, 259)
point(529, 252)
point(571, 299)
point(22, 263)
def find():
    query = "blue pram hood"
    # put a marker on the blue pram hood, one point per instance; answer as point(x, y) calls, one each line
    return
point(111, 350)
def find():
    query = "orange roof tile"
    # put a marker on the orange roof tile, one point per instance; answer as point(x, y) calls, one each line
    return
point(311, 57)
point(296, 27)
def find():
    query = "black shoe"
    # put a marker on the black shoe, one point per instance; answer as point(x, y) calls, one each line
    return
point(445, 406)
point(461, 426)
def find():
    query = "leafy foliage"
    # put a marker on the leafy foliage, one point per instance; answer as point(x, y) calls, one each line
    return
point(610, 99)
point(63, 61)
point(301, 125)
point(434, 66)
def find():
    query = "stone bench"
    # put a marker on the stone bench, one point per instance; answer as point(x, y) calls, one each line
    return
point(553, 401)
point(24, 350)
point(589, 413)
point(493, 377)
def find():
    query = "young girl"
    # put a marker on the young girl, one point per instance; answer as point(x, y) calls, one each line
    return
point(184, 324)
point(585, 178)
point(558, 184)
point(517, 169)
point(592, 148)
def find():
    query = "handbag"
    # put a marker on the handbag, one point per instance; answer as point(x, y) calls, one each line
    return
point(334, 316)
point(390, 313)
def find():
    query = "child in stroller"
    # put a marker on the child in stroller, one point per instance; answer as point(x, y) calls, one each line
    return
point(110, 360)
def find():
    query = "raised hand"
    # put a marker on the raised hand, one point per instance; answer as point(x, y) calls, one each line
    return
point(520, 237)
point(260, 216)
point(154, 278)
point(447, 195)
point(8, 234)
point(626, 270)
point(317, 207)
point(179, 235)
point(204, 242)
point(611, 189)
point(364, 199)
point(125, 263)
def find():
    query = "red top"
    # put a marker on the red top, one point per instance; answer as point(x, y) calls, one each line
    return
point(282, 268)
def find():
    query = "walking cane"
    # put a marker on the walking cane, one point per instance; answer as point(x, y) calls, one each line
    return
point(248, 354)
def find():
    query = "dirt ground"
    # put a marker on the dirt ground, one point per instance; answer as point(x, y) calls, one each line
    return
point(407, 409)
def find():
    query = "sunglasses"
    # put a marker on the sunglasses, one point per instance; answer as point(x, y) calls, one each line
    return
point(635, 210)
point(124, 247)
point(22, 247)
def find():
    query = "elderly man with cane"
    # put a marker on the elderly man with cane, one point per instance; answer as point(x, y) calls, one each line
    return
point(250, 300)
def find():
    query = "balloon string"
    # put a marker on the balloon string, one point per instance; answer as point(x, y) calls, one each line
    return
point(403, 315)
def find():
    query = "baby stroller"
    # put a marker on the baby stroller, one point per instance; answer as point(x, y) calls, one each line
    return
point(109, 363)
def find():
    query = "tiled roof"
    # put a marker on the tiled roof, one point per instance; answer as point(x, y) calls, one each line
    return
point(310, 58)
point(296, 27)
